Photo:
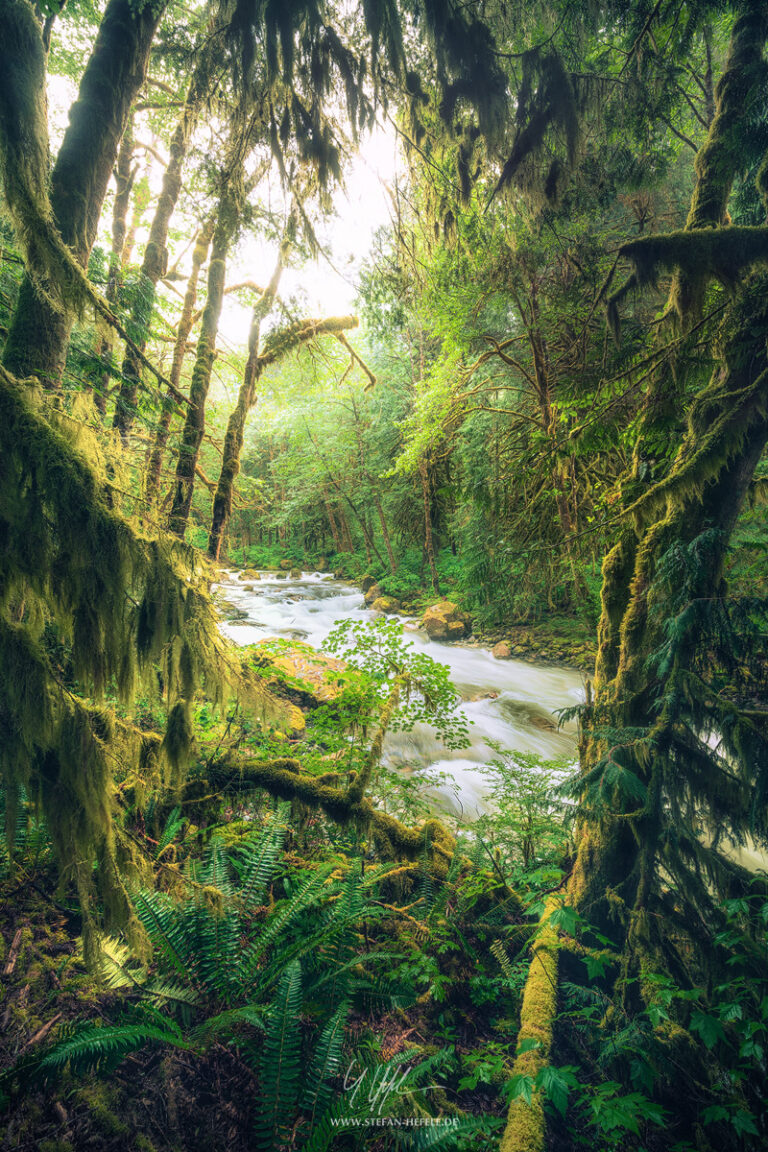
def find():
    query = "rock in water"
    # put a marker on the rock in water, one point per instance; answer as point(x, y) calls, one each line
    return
point(367, 583)
point(444, 621)
point(373, 593)
point(502, 650)
point(386, 604)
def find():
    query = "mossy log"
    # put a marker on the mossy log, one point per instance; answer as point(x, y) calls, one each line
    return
point(526, 1123)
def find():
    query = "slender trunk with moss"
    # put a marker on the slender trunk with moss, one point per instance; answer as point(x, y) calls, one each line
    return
point(155, 262)
point(125, 174)
point(280, 344)
point(160, 441)
point(374, 494)
point(429, 547)
point(39, 333)
point(227, 219)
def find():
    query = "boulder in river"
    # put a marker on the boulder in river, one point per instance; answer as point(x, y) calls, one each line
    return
point(367, 583)
point(373, 593)
point(295, 573)
point(386, 604)
point(438, 617)
point(502, 650)
point(249, 574)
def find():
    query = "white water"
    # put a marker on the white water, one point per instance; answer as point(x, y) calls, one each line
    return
point(306, 609)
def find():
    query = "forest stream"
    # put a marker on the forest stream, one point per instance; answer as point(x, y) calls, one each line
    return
point(508, 702)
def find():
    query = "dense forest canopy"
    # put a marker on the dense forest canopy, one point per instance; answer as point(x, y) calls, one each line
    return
point(514, 388)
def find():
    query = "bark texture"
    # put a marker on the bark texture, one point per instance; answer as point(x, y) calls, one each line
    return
point(39, 333)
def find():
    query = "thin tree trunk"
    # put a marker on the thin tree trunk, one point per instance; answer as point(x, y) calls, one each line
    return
point(160, 442)
point(255, 365)
point(39, 335)
point(228, 214)
point(124, 177)
point(155, 262)
point(428, 543)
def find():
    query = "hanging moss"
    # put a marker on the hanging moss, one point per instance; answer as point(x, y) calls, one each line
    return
point(123, 605)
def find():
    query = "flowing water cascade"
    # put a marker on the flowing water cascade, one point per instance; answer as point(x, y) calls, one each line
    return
point(508, 702)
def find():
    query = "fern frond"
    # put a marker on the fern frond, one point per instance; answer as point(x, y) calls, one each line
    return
point(280, 1063)
point(326, 1063)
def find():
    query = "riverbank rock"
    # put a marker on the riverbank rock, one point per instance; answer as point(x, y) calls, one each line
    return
point(386, 604)
point(286, 565)
point(373, 593)
point(502, 650)
point(444, 621)
point(250, 574)
point(296, 672)
point(295, 573)
point(367, 583)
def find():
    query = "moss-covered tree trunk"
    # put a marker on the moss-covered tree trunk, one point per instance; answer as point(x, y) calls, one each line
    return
point(155, 261)
point(160, 442)
point(690, 506)
point(39, 333)
point(227, 219)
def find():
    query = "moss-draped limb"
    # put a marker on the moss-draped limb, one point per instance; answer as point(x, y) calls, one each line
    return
point(119, 604)
point(526, 1123)
point(722, 254)
point(283, 778)
point(59, 233)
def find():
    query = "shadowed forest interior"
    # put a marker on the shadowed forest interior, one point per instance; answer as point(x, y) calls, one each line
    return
point(383, 582)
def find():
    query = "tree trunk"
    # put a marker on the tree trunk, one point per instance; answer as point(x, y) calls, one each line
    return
point(428, 543)
point(292, 338)
point(124, 177)
point(157, 451)
point(39, 335)
point(154, 264)
point(625, 861)
point(228, 214)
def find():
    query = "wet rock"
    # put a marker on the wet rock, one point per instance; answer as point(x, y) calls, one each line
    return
point(438, 617)
point(386, 604)
point(296, 672)
point(372, 594)
point(281, 575)
point(295, 572)
point(482, 696)
point(232, 613)
point(286, 565)
point(250, 574)
point(502, 650)
point(367, 583)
